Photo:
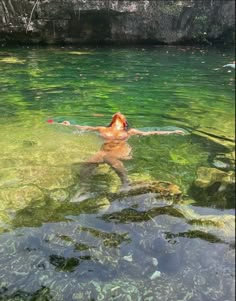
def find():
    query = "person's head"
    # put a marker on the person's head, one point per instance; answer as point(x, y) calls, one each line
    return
point(119, 120)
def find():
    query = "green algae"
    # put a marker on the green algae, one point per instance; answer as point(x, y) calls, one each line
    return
point(12, 60)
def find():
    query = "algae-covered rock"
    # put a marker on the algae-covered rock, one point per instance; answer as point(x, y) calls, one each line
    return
point(225, 161)
point(219, 136)
point(163, 189)
point(8, 176)
point(214, 187)
point(49, 178)
point(59, 195)
point(12, 60)
point(18, 197)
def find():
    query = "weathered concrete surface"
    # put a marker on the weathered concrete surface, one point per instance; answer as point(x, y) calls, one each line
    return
point(117, 21)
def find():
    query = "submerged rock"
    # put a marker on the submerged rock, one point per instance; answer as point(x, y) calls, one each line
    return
point(18, 197)
point(163, 189)
point(224, 161)
point(219, 136)
point(155, 275)
point(214, 187)
point(59, 195)
point(48, 178)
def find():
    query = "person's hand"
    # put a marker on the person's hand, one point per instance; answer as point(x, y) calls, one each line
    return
point(66, 122)
point(179, 132)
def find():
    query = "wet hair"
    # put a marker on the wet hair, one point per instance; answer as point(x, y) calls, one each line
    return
point(125, 122)
point(126, 125)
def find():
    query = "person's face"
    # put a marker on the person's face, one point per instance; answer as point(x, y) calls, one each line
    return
point(119, 120)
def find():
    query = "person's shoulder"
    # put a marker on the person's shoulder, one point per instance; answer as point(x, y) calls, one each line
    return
point(133, 131)
point(102, 128)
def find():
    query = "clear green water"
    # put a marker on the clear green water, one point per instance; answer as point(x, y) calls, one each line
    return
point(134, 248)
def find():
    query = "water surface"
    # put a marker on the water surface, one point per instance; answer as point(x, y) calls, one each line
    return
point(137, 247)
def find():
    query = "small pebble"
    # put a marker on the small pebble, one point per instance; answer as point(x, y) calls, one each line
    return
point(128, 258)
point(154, 261)
point(155, 275)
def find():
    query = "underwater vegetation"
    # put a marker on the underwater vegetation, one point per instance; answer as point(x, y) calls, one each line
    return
point(171, 234)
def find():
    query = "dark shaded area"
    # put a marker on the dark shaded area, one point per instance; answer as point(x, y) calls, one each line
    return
point(90, 25)
point(131, 215)
point(195, 234)
point(49, 211)
point(117, 22)
point(212, 196)
point(65, 264)
point(42, 294)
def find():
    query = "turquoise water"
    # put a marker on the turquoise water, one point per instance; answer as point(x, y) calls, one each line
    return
point(135, 247)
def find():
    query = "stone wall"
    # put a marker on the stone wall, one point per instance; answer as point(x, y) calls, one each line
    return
point(117, 21)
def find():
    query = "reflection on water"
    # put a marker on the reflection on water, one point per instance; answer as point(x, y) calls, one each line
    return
point(89, 254)
point(149, 242)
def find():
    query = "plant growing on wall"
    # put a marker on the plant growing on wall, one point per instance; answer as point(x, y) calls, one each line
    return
point(31, 14)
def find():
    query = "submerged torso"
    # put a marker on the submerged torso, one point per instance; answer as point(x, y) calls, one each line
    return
point(116, 143)
point(113, 134)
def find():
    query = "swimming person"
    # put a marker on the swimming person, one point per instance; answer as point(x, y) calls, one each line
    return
point(115, 147)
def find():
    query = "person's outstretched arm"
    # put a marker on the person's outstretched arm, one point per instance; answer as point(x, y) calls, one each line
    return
point(141, 133)
point(80, 127)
